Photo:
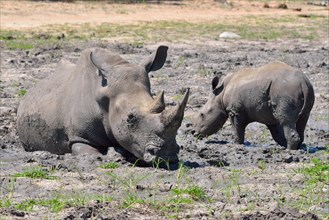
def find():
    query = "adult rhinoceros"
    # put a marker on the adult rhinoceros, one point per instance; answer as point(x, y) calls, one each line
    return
point(275, 94)
point(101, 101)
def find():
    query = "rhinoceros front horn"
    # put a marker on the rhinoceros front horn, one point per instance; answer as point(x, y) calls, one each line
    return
point(158, 104)
point(172, 118)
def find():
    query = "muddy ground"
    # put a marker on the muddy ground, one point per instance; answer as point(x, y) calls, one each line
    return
point(257, 180)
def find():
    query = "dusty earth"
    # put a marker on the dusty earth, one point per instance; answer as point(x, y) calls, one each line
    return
point(257, 180)
point(26, 14)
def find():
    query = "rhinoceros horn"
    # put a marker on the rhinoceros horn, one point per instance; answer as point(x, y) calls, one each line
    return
point(158, 104)
point(172, 118)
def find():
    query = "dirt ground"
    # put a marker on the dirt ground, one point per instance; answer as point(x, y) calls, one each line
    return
point(27, 15)
point(257, 180)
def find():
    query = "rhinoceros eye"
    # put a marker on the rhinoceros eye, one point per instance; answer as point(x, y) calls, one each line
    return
point(201, 115)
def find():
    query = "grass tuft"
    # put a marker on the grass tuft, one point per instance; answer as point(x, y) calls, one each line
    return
point(197, 193)
point(110, 165)
point(35, 173)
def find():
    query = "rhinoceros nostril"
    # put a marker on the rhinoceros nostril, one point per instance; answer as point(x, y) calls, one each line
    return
point(188, 125)
point(151, 151)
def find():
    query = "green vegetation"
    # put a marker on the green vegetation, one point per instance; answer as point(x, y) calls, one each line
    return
point(232, 184)
point(132, 199)
point(128, 183)
point(35, 173)
point(250, 27)
point(147, 189)
point(21, 92)
point(110, 165)
point(314, 192)
point(59, 202)
point(197, 193)
point(318, 173)
point(261, 164)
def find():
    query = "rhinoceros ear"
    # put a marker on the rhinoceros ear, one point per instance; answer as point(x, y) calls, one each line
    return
point(103, 60)
point(216, 87)
point(98, 59)
point(98, 64)
point(157, 60)
point(214, 82)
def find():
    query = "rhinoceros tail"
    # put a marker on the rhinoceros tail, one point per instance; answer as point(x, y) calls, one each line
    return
point(308, 97)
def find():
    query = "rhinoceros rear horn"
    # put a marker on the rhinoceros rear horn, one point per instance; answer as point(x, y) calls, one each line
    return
point(158, 104)
point(157, 60)
point(173, 117)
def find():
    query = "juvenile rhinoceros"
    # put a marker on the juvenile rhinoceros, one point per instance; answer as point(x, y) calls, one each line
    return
point(101, 101)
point(277, 95)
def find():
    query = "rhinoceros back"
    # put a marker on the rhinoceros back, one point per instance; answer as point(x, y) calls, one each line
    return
point(40, 117)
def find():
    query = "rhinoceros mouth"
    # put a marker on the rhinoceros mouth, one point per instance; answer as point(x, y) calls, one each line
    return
point(156, 154)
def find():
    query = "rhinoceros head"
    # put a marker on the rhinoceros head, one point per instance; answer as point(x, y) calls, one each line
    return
point(133, 118)
point(212, 116)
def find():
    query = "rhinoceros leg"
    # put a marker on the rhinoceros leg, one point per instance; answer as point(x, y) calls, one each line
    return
point(239, 127)
point(81, 148)
point(300, 125)
point(286, 112)
point(292, 136)
point(277, 134)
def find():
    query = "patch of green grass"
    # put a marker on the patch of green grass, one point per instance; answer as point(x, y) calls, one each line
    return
point(6, 202)
point(19, 45)
point(35, 173)
point(319, 172)
point(173, 206)
point(26, 40)
point(179, 200)
point(314, 192)
point(197, 193)
point(110, 165)
point(26, 205)
point(21, 92)
point(261, 164)
point(132, 199)
point(59, 202)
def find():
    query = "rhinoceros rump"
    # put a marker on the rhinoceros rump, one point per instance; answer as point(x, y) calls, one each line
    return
point(100, 102)
point(277, 95)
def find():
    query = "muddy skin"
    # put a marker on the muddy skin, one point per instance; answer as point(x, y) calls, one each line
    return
point(101, 101)
point(209, 159)
point(276, 95)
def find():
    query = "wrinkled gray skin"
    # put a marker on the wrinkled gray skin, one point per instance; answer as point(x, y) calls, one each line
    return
point(277, 95)
point(100, 102)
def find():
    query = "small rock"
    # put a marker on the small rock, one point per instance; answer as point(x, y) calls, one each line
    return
point(230, 35)
point(266, 5)
point(288, 159)
point(282, 6)
point(298, 178)
point(17, 213)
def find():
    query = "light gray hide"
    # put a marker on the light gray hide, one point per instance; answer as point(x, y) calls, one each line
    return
point(100, 102)
point(276, 95)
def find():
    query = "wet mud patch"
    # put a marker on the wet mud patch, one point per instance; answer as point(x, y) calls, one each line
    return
point(216, 179)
